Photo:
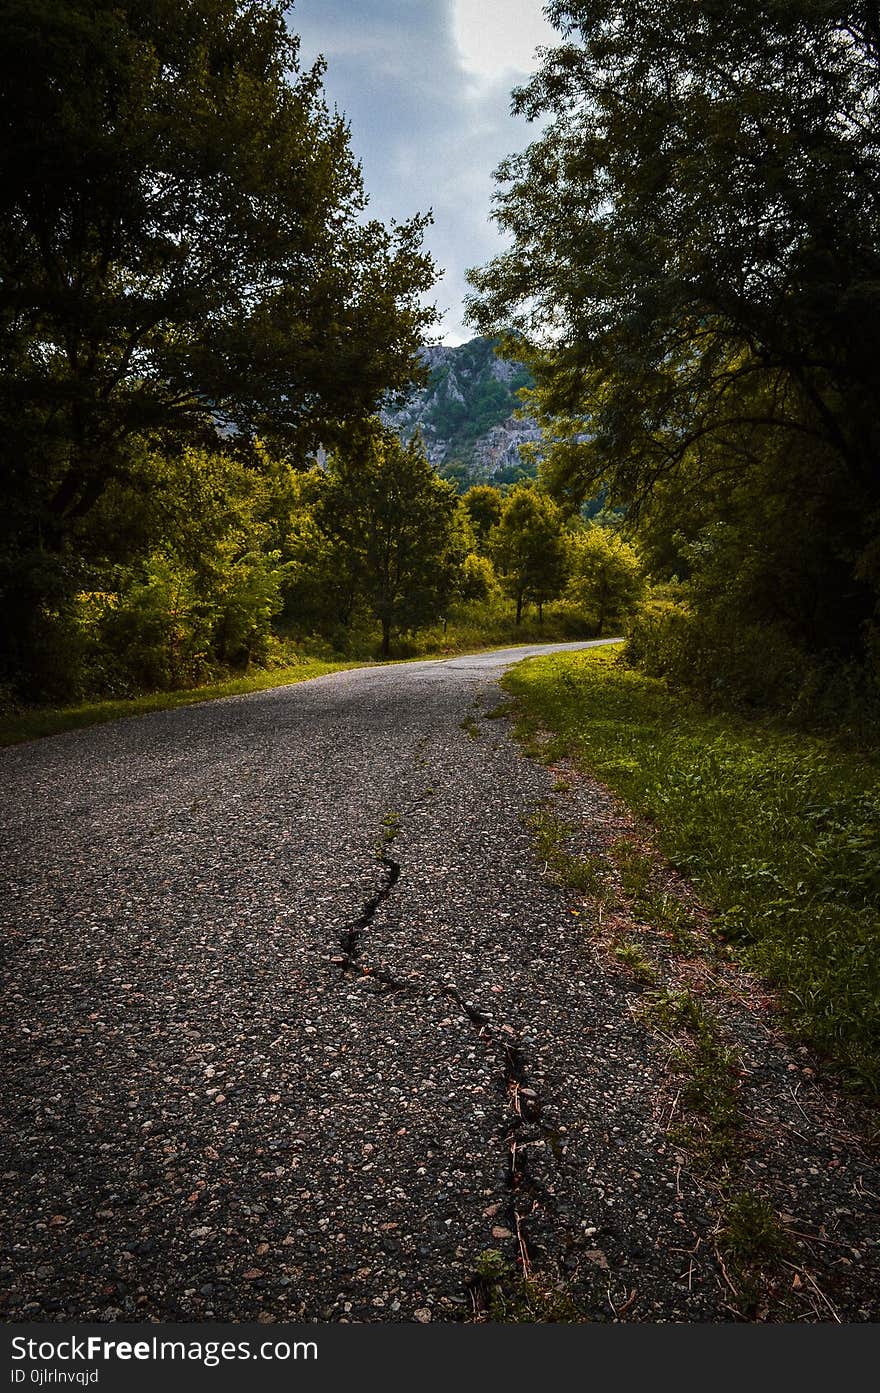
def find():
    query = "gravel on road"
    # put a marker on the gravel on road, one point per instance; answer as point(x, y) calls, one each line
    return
point(298, 1030)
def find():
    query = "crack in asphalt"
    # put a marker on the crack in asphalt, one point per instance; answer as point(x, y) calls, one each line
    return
point(525, 1129)
point(350, 939)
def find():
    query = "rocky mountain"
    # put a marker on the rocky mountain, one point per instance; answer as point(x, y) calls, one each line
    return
point(465, 414)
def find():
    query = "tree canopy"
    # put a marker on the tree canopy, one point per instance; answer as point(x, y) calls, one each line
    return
point(605, 580)
point(183, 249)
point(694, 273)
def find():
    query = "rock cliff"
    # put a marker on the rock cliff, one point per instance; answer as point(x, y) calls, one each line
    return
point(465, 414)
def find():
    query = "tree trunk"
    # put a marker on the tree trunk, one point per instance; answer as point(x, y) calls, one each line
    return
point(519, 603)
point(386, 639)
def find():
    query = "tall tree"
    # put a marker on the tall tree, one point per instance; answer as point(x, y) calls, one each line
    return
point(393, 520)
point(181, 245)
point(695, 259)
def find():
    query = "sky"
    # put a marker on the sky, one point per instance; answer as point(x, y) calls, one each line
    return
point(426, 87)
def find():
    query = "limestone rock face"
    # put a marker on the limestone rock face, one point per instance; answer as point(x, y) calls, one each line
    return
point(465, 413)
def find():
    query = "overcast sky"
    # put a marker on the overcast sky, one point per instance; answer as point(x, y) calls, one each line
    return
point(426, 86)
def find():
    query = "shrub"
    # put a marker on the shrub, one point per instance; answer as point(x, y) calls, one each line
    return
point(158, 633)
point(727, 663)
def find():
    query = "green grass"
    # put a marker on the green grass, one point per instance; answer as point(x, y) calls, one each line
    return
point(582, 873)
point(36, 722)
point(778, 830)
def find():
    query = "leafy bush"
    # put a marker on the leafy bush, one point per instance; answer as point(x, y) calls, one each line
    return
point(728, 664)
point(248, 600)
point(158, 633)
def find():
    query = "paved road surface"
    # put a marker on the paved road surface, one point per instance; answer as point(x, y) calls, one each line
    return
point(298, 1029)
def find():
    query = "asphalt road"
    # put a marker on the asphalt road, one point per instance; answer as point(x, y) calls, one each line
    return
point(297, 1030)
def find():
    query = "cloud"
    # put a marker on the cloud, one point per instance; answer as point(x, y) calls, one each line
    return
point(495, 37)
point(429, 111)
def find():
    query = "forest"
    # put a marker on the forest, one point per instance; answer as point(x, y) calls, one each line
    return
point(200, 325)
point(693, 282)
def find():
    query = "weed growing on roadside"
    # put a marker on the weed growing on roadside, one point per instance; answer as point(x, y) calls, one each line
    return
point(630, 954)
point(751, 1232)
point(389, 833)
point(505, 1295)
point(708, 1069)
point(582, 873)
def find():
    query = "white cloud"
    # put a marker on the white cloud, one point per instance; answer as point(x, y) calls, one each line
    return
point(499, 36)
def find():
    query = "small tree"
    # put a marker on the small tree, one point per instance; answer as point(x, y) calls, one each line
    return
point(606, 576)
point(392, 518)
point(477, 578)
point(528, 548)
point(483, 505)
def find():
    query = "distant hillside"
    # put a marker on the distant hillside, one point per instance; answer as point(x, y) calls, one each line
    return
point(465, 414)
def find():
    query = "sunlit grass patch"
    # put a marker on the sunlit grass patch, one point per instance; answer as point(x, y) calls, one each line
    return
point(778, 831)
point(35, 723)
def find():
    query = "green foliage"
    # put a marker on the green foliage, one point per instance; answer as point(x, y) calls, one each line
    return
point(728, 663)
point(178, 579)
point(633, 958)
point(477, 580)
point(457, 473)
point(181, 247)
point(469, 626)
point(159, 629)
point(528, 548)
point(483, 505)
point(777, 830)
point(693, 281)
point(605, 578)
point(391, 521)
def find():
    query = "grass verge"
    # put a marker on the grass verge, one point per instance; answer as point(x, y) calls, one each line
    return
point(34, 723)
point(779, 832)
